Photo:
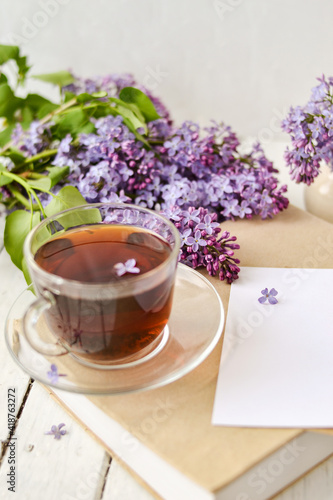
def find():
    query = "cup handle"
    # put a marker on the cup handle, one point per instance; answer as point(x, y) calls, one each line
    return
point(30, 321)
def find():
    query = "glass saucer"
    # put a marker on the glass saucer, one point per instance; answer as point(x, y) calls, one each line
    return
point(195, 326)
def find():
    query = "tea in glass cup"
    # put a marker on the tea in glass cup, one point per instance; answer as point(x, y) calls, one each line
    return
point(104, 277)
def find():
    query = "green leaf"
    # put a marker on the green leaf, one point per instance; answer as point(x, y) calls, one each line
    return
point(6, 134)
point(56, 174)
point(46, 109)
point(131, 118)
point(145, 105)
point(71, 123)
point(8, 52)
point(136, 133)
point(9, 103)
point(81, 98)
point(61, 78)
point(18, 225)
point(27, 117)
point(69, 197)
point(89, 97)
point(23, 67)
point(88, 128)
point(15, 155)
point(68, 96)
point(35, 102)
point(3, 78)
point(25, 270)
point(100, 94)
point(43, 183)
point(3, 179)
point(130, 106)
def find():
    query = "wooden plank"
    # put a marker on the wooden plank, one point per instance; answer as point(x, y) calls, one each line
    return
point(11, 376)
point(71, 468)
point(121, 485)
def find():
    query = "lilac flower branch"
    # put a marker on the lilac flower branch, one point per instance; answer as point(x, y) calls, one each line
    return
point(112, 140)
point(311, 131)
point(203, 246)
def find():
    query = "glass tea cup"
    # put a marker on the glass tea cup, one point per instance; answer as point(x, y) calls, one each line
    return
point(103, 275)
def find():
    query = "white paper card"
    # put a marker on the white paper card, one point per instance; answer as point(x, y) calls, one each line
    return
point(277, 360)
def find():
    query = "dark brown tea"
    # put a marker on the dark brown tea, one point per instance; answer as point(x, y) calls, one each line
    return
point(102, 328)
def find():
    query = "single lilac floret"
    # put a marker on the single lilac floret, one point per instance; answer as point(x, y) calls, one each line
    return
point(196, 241)
point(208, 225)
point(268, 295)
point(57, 431)
point(128, 267)
point(53, 374)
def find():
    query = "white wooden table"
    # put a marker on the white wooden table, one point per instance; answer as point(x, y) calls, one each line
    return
point(76, 467)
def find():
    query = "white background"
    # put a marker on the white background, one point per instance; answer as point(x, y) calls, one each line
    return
point(243, 62)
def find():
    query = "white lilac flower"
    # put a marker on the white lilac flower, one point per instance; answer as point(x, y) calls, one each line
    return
point(127, 267)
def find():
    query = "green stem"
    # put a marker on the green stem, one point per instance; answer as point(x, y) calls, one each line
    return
point(16, 178)
point(35, 175)
point(31, 210)
point(41, 208)
point(44, 154)
point(212, 250)
point(19, 196)
point(155, 142)
point(27, 188)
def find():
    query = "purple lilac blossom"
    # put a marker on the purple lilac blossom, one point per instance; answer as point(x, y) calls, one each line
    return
point(203, 174)
point(268, 295)
point(311, 130)
point(197, 177)
point(203, 245)
point(33, 140)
